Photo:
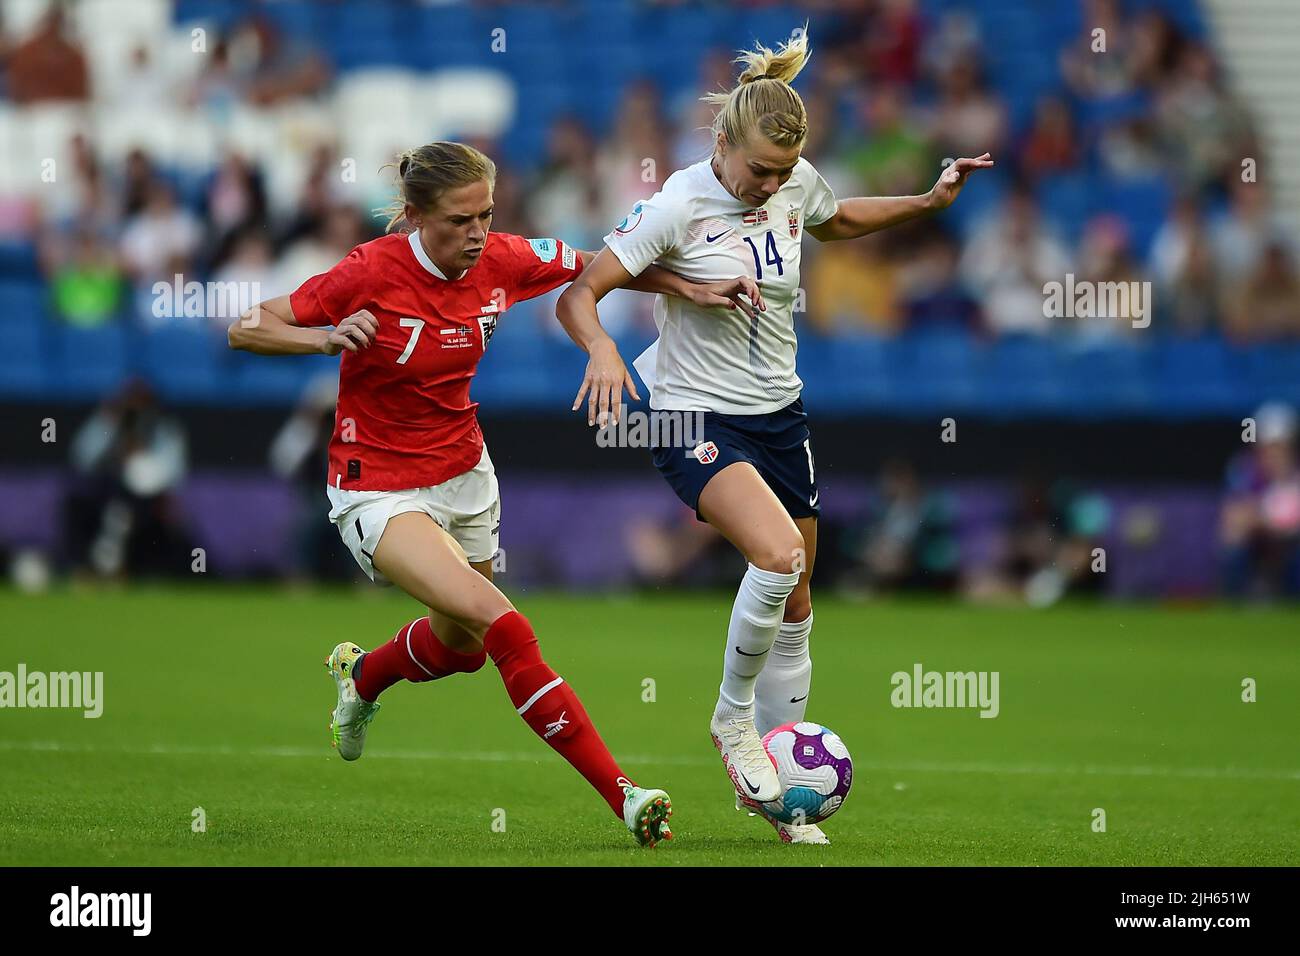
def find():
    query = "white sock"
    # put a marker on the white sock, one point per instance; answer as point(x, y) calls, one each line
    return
point(755, 622)
point(781, 693)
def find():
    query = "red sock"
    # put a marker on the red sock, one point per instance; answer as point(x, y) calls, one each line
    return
point(415, 654)
point(550, 707)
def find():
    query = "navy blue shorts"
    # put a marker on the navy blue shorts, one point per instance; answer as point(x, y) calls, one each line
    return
point(777, 444)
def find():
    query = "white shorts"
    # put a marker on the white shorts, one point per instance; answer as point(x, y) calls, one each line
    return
point(468, 507)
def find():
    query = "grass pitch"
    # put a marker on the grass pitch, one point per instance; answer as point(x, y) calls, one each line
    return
point(215, 698)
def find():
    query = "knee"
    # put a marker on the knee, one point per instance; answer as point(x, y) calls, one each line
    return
point(784, 554)
point(798, 606)
point(479, 619)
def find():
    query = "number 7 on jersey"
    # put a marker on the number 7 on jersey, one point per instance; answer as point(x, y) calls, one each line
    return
point(416, 326)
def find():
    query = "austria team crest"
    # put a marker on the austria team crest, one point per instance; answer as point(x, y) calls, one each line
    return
point(793, 219)
point(706, 453)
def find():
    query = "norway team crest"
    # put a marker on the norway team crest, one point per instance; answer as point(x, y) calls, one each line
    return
point(793, 220)
point(706, 453)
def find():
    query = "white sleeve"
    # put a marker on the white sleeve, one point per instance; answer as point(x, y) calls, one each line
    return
point(653, 227)
point(819, 202)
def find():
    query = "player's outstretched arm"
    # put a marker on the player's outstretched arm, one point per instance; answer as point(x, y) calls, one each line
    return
point(606, 375)
point(269, 328)
point(866, 214)
point(740, 293)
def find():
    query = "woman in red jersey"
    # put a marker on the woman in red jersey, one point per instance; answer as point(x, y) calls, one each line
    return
point(410, 482)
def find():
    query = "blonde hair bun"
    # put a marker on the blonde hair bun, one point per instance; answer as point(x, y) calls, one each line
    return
point(772, 110)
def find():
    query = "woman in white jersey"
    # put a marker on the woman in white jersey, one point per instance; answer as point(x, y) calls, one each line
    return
point(752, 475)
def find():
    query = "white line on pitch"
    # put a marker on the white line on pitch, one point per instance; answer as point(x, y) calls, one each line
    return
point(1227, 773)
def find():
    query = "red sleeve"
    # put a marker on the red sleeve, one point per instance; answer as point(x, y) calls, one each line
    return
point(332, 296)
point(539, 265)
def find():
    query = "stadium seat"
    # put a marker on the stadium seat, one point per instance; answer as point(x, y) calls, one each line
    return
point(937, 370)
point(1109, 378)
point(180, 361)
point(22, 302)
point(17, 259)
point(23, 372)
point(91, 363)
point(254, 379)
point(1196, 377)
point(1024, 373)
point(1143, 204)
point(860, 371)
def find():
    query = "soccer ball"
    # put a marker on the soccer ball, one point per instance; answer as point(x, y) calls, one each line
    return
point(815, 771)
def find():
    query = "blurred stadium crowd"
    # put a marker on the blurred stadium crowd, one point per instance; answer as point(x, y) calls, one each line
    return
point(241, 142)
point(249, 150)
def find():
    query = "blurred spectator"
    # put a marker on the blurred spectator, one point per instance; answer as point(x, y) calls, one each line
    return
point(163, 236)
point(968, 119)
point(48, 65)
point(143, 85)
point(1008, 260)
point(891, 157)
point(1157, 46)
point(1241, 235)
point(1048, 548)
point(1052, 144)
point(564, 199)
point(281, 67)
point(1105, 257)
point(121, 516)
point(1182, 261)
point(1101, 63)
point(633, 163)
point(138, 178)
point(1207, 132)
point(1259, 528)
point(235, 198)
point(297, 455)
point(957, 35)
point(86, 282)
point(910, 539)
point(853, 287)
point(323, 191)
point(679, 551)
point(892, 46)
point(691, 117)
point(934, 296)
point(1267, 305)
point(251, 270)
point(1129, 148)
point(341, 230)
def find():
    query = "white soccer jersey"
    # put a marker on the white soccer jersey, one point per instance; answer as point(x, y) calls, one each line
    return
point(719, 360)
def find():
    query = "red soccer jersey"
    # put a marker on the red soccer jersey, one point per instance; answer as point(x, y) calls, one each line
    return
point(404, 417)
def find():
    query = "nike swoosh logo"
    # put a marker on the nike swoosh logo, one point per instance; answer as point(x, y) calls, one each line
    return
point(795, 700)
point(746, 654)
point(709, 238)
point(752, 788)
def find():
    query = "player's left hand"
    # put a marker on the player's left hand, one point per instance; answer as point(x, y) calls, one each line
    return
point(727, 294)
point(603, 384)
point(953, 178)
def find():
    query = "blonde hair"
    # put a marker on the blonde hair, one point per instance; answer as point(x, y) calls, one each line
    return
point(426, 172)
point(763, 100)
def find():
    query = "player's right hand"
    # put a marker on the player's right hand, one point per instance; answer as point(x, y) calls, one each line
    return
point(727, 294)
point(354, 333)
